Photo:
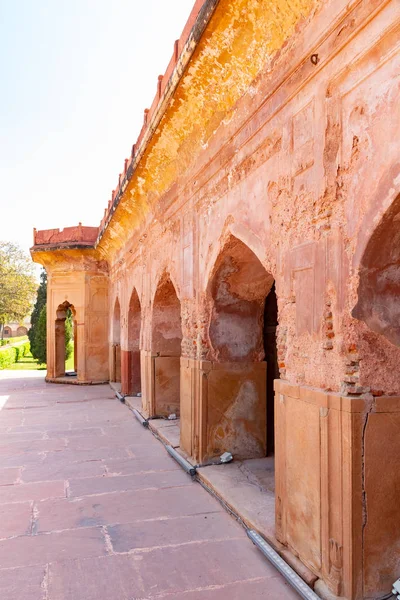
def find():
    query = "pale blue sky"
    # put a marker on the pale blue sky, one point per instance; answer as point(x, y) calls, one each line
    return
point(75, 77)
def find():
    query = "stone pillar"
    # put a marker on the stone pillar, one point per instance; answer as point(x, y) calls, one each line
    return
point(117, 362)
point(75, 346)
point(223, 409)
point(381, 490)
point(126, 377)
point(147, 376)
point(130, 372)
point(319, 466)
point(59, 347)
point(188, 409)
point(166, 385)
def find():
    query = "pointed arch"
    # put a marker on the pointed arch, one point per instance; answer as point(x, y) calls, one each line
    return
point(133, 383)
point(64, 311)
point(116, 323)
point(241, 233)
point(116, 343)
point(166, 333)
point(243, 318)
point(379, 283)
point(238, 287)
point(166, 341)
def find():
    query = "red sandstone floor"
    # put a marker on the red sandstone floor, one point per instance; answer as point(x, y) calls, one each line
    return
point(93, 508)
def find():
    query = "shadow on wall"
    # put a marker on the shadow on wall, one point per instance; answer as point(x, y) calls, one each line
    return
point(242, 331)
point(131, 359)
point(116, 344)
point(379, 288)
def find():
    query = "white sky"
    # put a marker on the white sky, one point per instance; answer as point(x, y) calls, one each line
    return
point(75, 77)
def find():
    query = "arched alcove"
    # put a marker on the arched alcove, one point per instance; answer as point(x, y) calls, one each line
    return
point(134, 326)
point(379, 284)
point(116, 343)
point(65, 311)
point(166, 340)
point(242, 333)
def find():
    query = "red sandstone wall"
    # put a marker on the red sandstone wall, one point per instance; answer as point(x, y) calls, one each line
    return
point(69, 235)
point(302, 172)
point(302, 179)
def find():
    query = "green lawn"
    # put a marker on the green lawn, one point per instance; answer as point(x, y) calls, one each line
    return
point(69, 364)
point(13, 340)
point(27, 363)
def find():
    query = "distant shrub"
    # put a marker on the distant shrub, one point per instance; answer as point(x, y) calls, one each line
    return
point(35, 316)
point(9, 356)
point(41, 337)
point(69, 346)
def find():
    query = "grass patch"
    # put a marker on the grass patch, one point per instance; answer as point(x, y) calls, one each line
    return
point(27, 363)
point(69, 364)
point(13, 340)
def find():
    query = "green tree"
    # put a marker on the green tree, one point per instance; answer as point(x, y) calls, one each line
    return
point(40, 340)
point(68, 335)
point(41, 337)
point(41, 300)
point(17, 284)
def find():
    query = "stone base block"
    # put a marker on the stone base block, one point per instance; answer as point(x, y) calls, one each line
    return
point(337, 487)
point(130, 372)
point(161, 384)
point(223, 409)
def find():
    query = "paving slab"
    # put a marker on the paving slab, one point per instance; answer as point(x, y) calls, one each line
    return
point(130, 466)
point(78, 432)
point(15, 519)
point(32, 550)
point(172, 532)
point(124, 507)
point(92, 507)
point(168, 430)
point(21, 436)
point(22, 492)
point(108, 578)
point(10, 475)
point(49, 470)
point(260, 589)
point(21, 460)
point(139, 447)
point(198, 565)
point(247, 489)
point(96, 485)
point(24, 583)
point(31, 446)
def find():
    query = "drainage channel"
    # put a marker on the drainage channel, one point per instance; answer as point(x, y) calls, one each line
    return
point(261, 544)
point(284, 569)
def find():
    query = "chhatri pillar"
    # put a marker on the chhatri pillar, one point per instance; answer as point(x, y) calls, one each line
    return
point(77, 281)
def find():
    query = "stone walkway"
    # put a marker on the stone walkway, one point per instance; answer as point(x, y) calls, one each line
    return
point(93, 508)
